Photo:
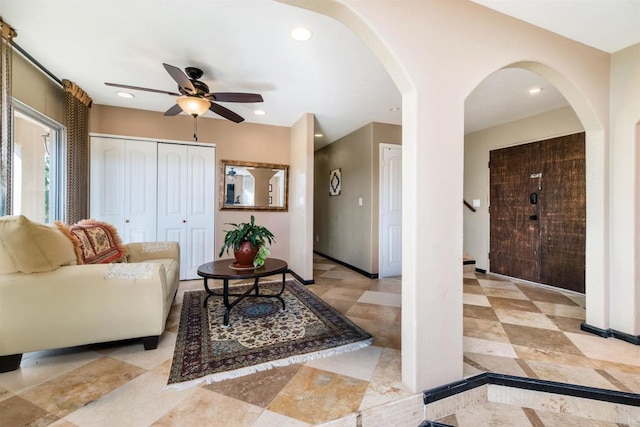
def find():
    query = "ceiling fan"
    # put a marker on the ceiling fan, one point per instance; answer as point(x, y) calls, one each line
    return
point(194, 97)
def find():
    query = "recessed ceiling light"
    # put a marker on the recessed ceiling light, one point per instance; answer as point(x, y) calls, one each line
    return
point(394, 109)
point(318, 135)
point(125, 95)
point(301, 34)
point(259, 112)
point(535, 90)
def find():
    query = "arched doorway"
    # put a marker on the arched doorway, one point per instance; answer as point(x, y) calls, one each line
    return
point(434, 84)
point(530, 222)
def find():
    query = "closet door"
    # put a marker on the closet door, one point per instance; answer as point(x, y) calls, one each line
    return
point(172, 198)
point(107, 182)
point(200, 206)
point(185, 203)
point(123, 186)
point(140, 201)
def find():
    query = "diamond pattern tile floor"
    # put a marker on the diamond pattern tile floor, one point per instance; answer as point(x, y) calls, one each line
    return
point(512, 328)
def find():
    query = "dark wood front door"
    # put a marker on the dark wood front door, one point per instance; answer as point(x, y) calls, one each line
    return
point(538, 212)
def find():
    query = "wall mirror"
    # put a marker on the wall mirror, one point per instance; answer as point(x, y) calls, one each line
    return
point(253, 186)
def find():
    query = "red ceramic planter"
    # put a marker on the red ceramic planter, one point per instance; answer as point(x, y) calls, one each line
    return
point(245, 255)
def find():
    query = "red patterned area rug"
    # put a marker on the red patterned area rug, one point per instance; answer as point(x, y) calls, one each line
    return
point(261, 336)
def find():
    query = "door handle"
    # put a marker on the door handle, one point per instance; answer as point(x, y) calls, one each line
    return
point(533, 217)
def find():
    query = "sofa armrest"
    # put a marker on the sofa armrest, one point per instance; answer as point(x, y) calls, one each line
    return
point(146, 251)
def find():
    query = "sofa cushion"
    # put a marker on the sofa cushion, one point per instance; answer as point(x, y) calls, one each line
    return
point(31, 247)
point(99, 242)
point(150, 250)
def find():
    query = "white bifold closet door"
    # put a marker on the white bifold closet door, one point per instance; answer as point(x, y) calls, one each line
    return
point(123, 186)
point(186, 203)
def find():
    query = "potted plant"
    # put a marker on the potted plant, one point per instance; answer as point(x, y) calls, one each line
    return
point(248, 242)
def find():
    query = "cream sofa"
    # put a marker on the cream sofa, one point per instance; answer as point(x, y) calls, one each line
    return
point(68, 305)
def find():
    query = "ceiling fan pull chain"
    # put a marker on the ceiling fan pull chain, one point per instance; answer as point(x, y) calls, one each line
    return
point(195, 128)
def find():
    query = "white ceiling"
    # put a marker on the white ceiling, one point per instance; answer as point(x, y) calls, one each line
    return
point(608, 25)
point(244, 46)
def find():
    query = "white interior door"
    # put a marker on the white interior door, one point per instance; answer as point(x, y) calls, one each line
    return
point(172, 198)
point(390, 210)
point(200, 208)
point(123, 186)
point(107, 181)
point(186, 190)
point(140, 202)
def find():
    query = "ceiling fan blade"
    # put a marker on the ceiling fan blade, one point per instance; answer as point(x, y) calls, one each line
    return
point(142, 88)
point(173, 111)
point(225, 112)
point(235, 97)
point(181, 78)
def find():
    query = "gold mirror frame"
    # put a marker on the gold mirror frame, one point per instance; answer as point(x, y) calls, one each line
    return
point(274, 189)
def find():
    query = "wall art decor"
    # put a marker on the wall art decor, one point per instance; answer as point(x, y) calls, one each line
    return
point(335, 182)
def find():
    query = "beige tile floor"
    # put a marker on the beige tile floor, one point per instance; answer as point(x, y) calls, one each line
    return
point(509, 328)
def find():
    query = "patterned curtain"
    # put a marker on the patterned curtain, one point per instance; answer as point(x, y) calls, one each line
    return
point(77, 104)
point(6, 133)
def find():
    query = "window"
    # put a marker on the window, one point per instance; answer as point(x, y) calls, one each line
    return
point(38, 165)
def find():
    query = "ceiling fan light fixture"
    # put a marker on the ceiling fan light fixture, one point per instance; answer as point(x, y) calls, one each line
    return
point(192, 105)
point(123, 94)
point(259, 112)
point(535, 90)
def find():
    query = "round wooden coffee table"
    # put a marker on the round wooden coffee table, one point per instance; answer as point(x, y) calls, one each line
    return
point(223, 270)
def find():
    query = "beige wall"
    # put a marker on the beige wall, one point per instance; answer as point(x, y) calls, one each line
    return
point(35, 89)
point(343, 229)
point(233, 141)
point(477, 146)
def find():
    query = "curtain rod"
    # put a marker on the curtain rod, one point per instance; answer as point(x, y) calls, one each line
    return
point(36, 63)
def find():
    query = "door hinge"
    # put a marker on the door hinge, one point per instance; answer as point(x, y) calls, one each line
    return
point(489, 164)
point(488, 255)
point(489, 209)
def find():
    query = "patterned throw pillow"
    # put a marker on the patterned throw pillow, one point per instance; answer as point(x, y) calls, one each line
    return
point(99, 242)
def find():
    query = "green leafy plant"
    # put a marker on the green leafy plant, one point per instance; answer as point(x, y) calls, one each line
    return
point(258, 235)
point(261, 256)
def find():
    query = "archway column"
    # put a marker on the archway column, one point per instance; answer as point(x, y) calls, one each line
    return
point(432, 165)
point(597, 284)
point(625, 193)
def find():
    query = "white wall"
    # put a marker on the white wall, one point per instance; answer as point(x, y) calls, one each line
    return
point(476, 172)
point(625, 214)
point(301, 198)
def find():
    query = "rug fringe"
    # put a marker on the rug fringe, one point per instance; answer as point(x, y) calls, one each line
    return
point(300, 358)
